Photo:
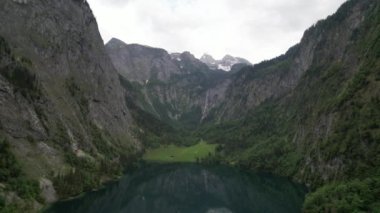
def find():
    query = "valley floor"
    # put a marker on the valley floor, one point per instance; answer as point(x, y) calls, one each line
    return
point(172, 153)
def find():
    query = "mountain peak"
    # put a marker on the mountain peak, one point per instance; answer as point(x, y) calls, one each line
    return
point(207, 57)
point(226, 63)
point(228, 57)
point(116, 43)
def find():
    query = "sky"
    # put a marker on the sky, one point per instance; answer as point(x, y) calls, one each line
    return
point(253, 29)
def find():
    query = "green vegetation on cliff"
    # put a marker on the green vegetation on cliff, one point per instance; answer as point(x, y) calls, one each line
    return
point(88, 171)
point(14, 180)
point(326, 130)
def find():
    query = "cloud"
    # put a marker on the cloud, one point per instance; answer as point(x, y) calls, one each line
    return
point(253, 29)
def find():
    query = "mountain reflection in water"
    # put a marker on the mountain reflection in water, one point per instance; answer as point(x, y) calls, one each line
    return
point(190, 188)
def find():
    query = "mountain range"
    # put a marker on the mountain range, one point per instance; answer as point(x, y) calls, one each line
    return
point(75, 112)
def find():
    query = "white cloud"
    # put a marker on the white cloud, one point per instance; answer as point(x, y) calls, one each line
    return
point(254, 29)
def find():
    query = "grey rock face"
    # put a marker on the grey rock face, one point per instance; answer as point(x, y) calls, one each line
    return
point(62, 47)
point(141, 63)
point(57, 83)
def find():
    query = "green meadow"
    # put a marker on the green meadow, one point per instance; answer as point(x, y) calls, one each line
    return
point(173, 153)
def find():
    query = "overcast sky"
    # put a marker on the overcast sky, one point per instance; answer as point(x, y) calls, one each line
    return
point(253, 29)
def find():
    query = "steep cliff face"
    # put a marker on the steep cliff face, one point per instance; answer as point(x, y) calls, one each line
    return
point(327, 42)
point(338, 51)
point(320, 122)
point(319, 119)
point(342, 56)
point(61, 47)
point(61, 102)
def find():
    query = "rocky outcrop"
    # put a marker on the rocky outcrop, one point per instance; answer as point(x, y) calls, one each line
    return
point(48, 191)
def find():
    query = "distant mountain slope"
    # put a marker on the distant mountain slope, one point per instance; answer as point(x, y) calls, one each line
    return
point(174, 87)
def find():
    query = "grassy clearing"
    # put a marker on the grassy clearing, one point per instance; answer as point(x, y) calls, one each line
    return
point(173, 153)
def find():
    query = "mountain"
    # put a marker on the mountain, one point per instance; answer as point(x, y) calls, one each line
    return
point(321, 125)
point(174, 87)
point(63, 113)
point(315, 87)
point(191, 93)
point(74, 113)
point(225, 64)
point(210, 61)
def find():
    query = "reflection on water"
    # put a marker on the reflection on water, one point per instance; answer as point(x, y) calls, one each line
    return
point(190, 188)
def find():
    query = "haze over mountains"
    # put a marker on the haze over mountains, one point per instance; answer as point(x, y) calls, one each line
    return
point(74, 113)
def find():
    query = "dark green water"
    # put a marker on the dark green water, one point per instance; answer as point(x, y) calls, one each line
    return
point(190, 188)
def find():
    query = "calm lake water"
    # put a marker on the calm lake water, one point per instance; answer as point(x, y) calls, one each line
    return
point(190, 188)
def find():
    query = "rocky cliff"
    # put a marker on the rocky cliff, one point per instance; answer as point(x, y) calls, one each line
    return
point(62, 107)
point(314, 87)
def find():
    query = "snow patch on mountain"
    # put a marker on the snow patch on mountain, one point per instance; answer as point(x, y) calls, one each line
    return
point(225, 64)
point(225, 68)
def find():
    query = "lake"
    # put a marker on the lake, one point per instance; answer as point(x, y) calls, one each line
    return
point(190, 188)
